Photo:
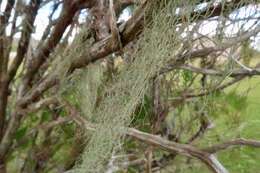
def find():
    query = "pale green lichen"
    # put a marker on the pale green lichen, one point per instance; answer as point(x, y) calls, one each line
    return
point(121, 96)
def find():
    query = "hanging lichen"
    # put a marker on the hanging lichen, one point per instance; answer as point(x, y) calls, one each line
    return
point(120, 98)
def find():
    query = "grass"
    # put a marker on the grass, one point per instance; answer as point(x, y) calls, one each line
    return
point(239, 117)
point(248, 159)
point(235, 114)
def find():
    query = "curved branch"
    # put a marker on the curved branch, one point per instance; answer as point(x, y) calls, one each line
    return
point(183, 149)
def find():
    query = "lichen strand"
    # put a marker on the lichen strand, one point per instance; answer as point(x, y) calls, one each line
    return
point(160, 42)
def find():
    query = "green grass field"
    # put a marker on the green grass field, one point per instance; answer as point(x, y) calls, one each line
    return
point(236, 114)
point(245, 159)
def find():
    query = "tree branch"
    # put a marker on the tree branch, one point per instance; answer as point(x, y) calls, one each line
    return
point(231, 144)
point(182, 149)
point(43, 52)
point(233, 73)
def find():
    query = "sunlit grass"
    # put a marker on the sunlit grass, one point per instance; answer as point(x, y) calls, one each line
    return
point(236, 114)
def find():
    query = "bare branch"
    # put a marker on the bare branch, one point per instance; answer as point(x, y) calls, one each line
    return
point(232, 73)
point(210, 91)
point(43, 52)
point(4, 18)
point(25, 38)
point(183, 149)
point(113, 25)
point(233, 143)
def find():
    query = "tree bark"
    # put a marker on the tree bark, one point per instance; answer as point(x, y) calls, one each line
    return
point(3, 64)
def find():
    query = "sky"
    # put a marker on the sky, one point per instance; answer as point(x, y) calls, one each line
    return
point(41, 20)
point(208, 27)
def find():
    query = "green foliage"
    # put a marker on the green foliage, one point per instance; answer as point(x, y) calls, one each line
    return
point(46, 116)
point(20, 133)
point(142, 116)
point(187, 76)
point(236, 101)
